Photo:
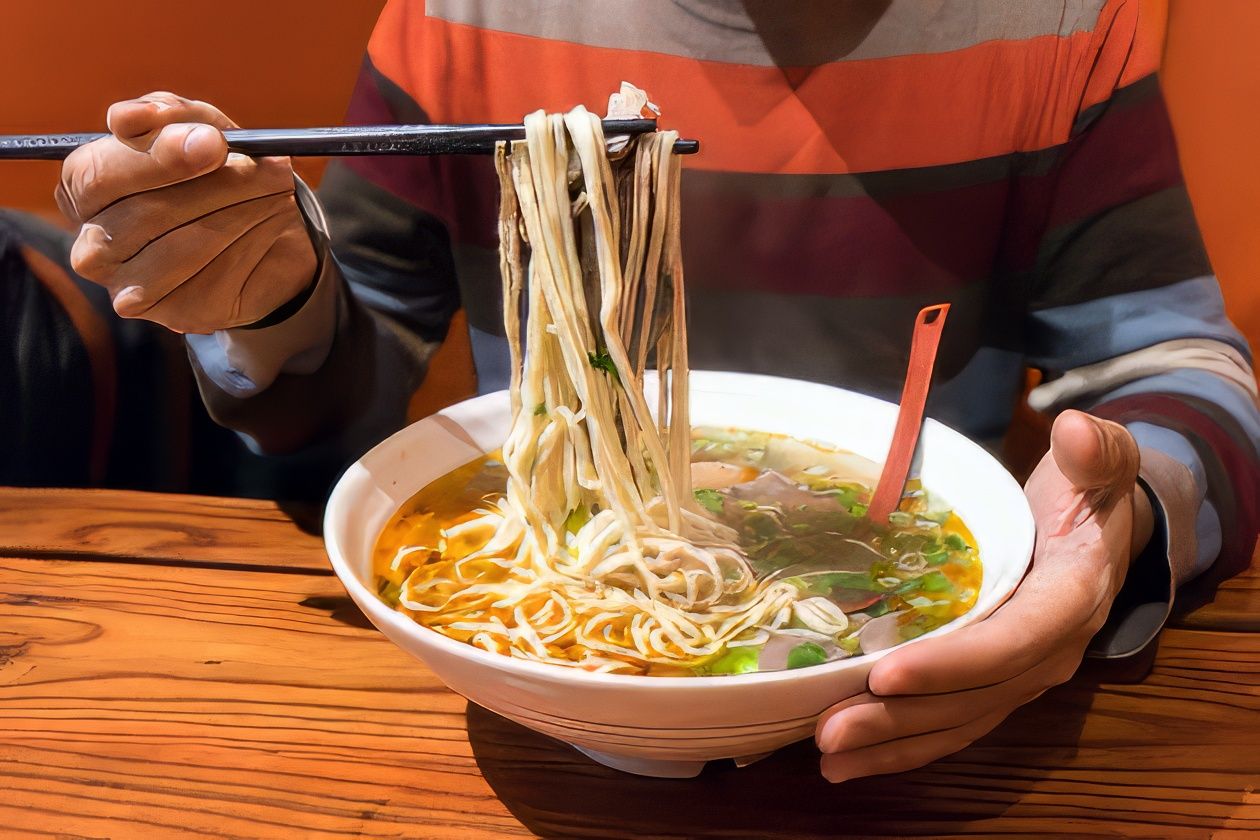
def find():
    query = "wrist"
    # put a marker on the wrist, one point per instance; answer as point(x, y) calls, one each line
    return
point(312, 219)
point(287, 309)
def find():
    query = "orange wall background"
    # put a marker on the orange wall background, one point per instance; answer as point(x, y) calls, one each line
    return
point(1212, 82)
point(263, 62)
point(293, 62)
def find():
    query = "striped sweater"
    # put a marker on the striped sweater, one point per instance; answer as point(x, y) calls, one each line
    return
point(860, 160)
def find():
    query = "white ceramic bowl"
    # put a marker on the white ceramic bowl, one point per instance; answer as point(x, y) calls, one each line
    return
point(668, 726)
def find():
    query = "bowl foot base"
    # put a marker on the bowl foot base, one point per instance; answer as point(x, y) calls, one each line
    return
point(745, 760)
point(655, 767)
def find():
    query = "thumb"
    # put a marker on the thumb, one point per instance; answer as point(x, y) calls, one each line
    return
point(1094, 454)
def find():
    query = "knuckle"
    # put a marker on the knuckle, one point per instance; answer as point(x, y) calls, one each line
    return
point(111, 113)
point(202, 105)
point(87, 258)
point(83, 263)
point(81, 172)
point(163, 96)
point(124, 103)
point(1062, 671)
point(94, 254)
point(130, 119)
point(65, 202)
point(1093, 623)
point(211, 113)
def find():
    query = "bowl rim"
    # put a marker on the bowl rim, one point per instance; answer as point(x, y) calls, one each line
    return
point(378, 611)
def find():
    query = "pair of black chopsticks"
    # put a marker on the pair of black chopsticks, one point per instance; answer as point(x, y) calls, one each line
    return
point(336, 141)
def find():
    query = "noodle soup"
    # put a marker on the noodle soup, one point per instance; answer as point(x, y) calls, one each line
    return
point(835, 585)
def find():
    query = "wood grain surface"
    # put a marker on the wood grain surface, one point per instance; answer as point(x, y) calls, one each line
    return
point(1235, 604)
point(209, 701)
point(185, 667)
point(156, 527)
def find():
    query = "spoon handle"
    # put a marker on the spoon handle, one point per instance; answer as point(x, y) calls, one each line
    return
point(923, 346)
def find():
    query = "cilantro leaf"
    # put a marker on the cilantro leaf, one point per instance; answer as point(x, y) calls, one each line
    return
point(603, 361)
point(710, 500)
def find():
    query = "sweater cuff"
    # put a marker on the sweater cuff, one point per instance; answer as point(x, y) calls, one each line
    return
point(1145, 600)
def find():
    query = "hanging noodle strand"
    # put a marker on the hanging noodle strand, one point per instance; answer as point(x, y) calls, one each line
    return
point(596, 554)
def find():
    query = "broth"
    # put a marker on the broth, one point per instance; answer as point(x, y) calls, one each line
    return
point(799, 511)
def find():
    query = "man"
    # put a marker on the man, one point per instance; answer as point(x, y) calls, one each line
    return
point(860, 160)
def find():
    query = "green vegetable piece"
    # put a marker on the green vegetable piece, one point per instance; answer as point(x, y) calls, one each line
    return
point(823, 584)
point(937, 557)
point(738, 660)
point(389, 592)
point(930, 582)
point(954, 542)
point(806, 654)
point(762, 524)
point(901, 519)
point(878, 608)
point(577, 517)
point(850, 497)
point(710, 500)
point(603, 361)
point(846, 496)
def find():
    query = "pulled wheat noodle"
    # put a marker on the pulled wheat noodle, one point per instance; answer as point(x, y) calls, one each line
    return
point(590, 250)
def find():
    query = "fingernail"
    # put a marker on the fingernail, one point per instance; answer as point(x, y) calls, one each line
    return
point(129, 301)
point(96, 232)
point(827, 737)
point(198, 136)
point(831, 774)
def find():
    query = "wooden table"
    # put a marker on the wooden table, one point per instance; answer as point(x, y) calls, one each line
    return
point(177, 666)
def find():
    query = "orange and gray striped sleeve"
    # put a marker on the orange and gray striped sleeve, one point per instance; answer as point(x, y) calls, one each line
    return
point(1126, 318)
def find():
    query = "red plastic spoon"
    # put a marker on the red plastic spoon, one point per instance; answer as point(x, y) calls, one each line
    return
point(892, 480)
